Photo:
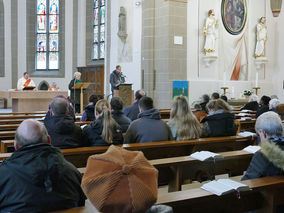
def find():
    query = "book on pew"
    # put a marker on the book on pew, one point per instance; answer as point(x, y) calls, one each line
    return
point(246, 134)
point(252, 149)
point(246, 110)
point(246, 118)
point(224, 186)
point(205, 155)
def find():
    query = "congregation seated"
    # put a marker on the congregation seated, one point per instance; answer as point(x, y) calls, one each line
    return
point(37, 178)
point(61, 126)
point(224, 98)
point(220, 121)
point(204, 101)
point(89, 111)
point(183, 123)
point(121, 181)
point(269, 160)
point(252, 103)
point(116, 104)
point(215, 96)
point(273, 104)
point(264, 106)
point(148, 127)
point(199, 112)
point(103, 131)
point(132, 111)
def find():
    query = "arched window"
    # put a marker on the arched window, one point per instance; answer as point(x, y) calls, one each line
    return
point(47, 35)
point(99, 29)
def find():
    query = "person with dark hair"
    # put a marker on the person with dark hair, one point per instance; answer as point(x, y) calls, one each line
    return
point(264, 106)
point(103, 131)
point(116, 78)
point(133, 110)
point(61, 127)
point(149, 126)
point(224, 98)
point(116, 104)
point(220, 121)
point(25, 81)
point(215, 96)
point(89, 112)
point(37, 178)
point(205, 99)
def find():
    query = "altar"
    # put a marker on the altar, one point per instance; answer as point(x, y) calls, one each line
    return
point(31, 101)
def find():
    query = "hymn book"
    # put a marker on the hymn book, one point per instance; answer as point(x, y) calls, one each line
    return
point(205, 155)
point(252, 149)
point(224, 186)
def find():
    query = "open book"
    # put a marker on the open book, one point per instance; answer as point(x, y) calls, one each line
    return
point(205, 155)
point(246, 134)
point(252, 149)
point(224, 186)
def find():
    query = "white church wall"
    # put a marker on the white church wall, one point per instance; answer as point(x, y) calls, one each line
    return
point(127, 55)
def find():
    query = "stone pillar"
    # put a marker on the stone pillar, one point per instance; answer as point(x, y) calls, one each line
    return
point(162, 60)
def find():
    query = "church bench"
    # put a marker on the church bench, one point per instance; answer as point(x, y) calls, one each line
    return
point(181, 170)
point(245, 125)
point(23, 113)
point(265, 195)
point(10, 117)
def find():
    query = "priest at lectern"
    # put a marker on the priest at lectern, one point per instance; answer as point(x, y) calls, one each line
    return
point(25, 82)
point(75, 93)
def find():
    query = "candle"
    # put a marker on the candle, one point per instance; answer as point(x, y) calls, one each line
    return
point(256, 79)
point(233, 92)
point(224, 79)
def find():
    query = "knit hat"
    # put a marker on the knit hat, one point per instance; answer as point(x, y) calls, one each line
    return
point(120, 181)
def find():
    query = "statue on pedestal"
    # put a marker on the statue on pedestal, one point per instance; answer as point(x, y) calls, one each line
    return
point(122, 25)
point(261, 37)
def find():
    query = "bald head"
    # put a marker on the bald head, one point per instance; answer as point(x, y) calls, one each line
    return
point(30, 132)
point(59, 106)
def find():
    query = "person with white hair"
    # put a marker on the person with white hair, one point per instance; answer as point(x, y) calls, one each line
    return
point(75, 93)
point(252, 103)
point(273, 104)
point(269, 161)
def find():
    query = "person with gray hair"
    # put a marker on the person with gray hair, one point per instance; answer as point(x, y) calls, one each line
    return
point(269, 161)
point(252, 103)
point(61, 127)
point(75, 93)
point(273, 104)
point(37, 178)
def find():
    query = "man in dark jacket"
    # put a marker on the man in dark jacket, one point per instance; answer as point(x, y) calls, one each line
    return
point(264, 106)
point(252, 104)
point(133, 110)
point(75, 93)
point(61, 127)
point(149, 126)
point(269, 160)
point(116, 78)
point(116, 104)
point(37, 178)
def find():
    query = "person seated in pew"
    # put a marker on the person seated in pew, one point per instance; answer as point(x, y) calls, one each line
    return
point(252, 103)
point(224, 98)
point(116, 104)
point(199, 112)
point(89, 111)
point(148, 127)
point(204, 101)
point(37, 178)
point(264, 106)
point(183, 123)
point(273, 104)
point(104, 131)
point(269, 161)
point(132, 111)
point(121, 181)
point(215, 96)
point(61, 126)
point(220, 121)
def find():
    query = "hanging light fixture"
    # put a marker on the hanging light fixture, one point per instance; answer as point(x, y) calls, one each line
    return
point(275, 7)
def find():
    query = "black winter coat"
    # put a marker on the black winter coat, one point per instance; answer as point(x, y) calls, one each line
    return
point(74, 93)
point(94, 132)
point(64, 132)
point(37, 178)
point(121, 119)
point(253, 105)
point(217, 125)
point(261, 110)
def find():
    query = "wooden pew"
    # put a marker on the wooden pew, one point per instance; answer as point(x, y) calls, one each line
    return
point(266, 194)
point(23, 113)
point(185, 169)
point(245, 125)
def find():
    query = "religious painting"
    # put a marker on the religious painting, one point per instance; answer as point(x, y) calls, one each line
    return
point(234, 15)
point(180, 88)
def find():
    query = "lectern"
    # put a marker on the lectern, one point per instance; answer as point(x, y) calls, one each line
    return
point(125, 92)
point(81, 86)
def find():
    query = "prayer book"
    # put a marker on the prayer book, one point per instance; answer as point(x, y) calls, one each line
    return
point(252, 149)
point(224, 186)
point(246, 134)
point(205, 155)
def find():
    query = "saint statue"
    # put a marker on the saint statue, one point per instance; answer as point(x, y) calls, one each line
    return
point(210, 31)
point(122, 25)
point(261, 37)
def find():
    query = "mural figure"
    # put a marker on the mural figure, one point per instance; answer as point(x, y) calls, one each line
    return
point(122, 25)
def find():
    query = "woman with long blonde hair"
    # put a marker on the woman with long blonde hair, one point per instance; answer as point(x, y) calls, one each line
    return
point(104, 130)
point(183, 123)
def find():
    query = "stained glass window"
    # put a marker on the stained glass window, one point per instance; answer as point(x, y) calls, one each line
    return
point(99, 29)
point(47, 52)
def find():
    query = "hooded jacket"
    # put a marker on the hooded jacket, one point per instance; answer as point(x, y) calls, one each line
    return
point(37, 178)
point(94, 131)
point(269, 161)
point(64, 132)
point(121, 119)
point(148, 128)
